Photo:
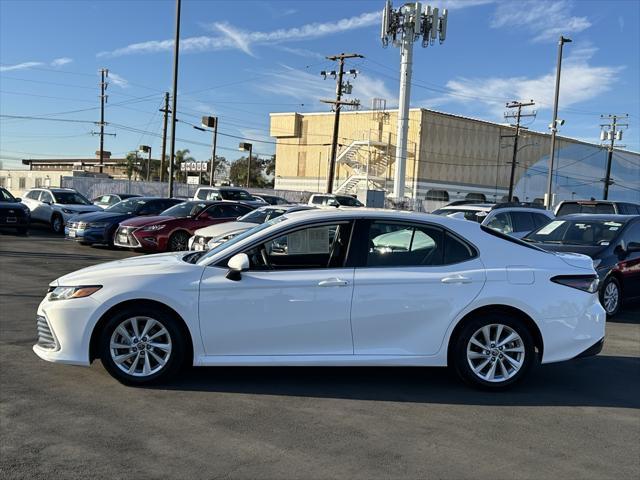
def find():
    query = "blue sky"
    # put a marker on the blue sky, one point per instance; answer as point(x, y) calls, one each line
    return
point(241, 60)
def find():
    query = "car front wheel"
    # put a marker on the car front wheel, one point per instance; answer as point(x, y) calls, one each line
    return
point(179, 242)
point(57, 223)
point(611, 296)
point(493, 352)
point(142, 347)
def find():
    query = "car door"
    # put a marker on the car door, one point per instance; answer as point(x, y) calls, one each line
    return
point(629, 267)
point(294, 300)
point(31, 201)
point(414, 280)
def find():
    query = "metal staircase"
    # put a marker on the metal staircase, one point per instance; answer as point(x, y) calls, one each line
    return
point(369, 170)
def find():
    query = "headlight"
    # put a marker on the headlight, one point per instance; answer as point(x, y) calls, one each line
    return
point(97, 224)
point(67, 211)
point(153, 228)
point(65, 293)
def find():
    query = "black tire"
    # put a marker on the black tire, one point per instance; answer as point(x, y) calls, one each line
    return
point(174, 360)
point(178, 242)
point(611, 296)
point(57, 224)
point(461, 362)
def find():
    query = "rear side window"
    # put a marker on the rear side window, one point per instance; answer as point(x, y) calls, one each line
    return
point(540, 220)
point(202, 194)
point(568, 209)
point(456, 251)
point(605, 208)
point(628, 209)
point(501, 222)
point(393, 245)
point(317, 200)
point(522, 221)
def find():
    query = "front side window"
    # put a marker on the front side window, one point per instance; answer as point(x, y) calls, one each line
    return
point(318, 199)
point(323, 246)
point(501, 222)
point(70, 198)
point(185, 209)
point(46, 197)
point(5, 196)
point(522, 221)
point(392, 244)
point(33, 195)
point(202, 194)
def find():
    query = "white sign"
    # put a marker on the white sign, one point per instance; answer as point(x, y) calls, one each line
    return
point(194, 167)
point(193, 180)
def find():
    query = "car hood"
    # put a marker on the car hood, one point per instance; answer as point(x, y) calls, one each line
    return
point(144, 221)
point(102, 216)
point(142, 266)
point(79, 208)
point(223, 228)
point(590, 250)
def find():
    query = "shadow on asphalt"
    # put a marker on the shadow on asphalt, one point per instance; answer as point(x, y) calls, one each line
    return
point(603, 381)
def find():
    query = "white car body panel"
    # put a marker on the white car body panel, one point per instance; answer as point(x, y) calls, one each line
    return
point(287, 318)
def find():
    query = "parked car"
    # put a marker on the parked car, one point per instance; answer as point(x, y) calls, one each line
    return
point(567, 207)
point(212, 236)
point(106, 201)
point(228, 193)
point(100, 227)
point(612, 241)
point(13, 213)
point(332, 200)
point(515, 219)
point(171, 230)
point(272, 199)
point(55, 206)
point(339, 294)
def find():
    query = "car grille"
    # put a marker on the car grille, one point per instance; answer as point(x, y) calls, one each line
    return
point(77, 225)
point(45, 335)
point(129, 241)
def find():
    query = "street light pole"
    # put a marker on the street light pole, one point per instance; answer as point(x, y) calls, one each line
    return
point(554, 123)
point(147, 148)
point(247, 147)
point(174, 100)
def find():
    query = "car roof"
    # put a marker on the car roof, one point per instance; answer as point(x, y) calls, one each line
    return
point(375, 213)
point(469, 206)
point(605, 217)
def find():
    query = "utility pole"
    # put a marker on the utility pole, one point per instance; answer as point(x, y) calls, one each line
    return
point(176, 53)
point(611, 133)
point(166, 112)
point(337, 107)
point(104, 73)
point(554, 124)
point(402, 27)
point(518, 116)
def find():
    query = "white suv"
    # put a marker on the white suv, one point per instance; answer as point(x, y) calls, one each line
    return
point(54, 206)
point(515, 219)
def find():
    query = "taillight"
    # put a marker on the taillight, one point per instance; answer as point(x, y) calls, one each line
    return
point(586, 283)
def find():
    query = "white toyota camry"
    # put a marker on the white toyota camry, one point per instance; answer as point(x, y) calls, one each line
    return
point(340, 287)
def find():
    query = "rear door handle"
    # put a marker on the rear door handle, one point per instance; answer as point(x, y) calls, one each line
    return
point(456, 279)
point(333, 282)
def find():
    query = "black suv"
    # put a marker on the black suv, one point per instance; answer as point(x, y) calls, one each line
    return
point(13, 214)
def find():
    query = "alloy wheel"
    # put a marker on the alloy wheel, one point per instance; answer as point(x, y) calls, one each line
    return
point(611, 297)
point(495, 353)
point(56, 224)
point(140, 346)
point(179, 242)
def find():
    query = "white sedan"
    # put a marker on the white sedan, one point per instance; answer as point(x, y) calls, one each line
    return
point(339, 287)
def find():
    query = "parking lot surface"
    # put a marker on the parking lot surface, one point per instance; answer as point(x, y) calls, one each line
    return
point(579, 419)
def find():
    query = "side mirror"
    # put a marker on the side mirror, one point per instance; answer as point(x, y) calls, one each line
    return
point(237, 264)
point(18, 199)
point(633, 247)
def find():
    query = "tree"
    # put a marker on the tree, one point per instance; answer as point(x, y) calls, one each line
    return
point(238, 173)
point(181, 157)
point(220, 167)
point(269, 168)
point(132, 164)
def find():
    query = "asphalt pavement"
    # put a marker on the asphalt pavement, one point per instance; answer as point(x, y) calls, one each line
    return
point(574, 420)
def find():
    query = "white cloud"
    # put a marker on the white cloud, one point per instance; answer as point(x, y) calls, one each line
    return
point(580, 81)
point(235, 37)
point(367, 88)
point(118, 80)
point(59, 62)
point(19, 66)
point(545, 19)
point(301, 52)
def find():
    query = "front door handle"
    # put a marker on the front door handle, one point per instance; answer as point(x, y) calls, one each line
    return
point(456, 279)
point(333, 282)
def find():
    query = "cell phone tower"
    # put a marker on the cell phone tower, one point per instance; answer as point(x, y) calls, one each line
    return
point(402, 27)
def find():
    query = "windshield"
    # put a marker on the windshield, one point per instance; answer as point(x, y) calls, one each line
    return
point(132, 205)
point(348, 201)
point(577, 232)
point(5, 196)
point(457, 212)
point(185, 209)
point(70, 198)
point(239, 238)
point(236, 195)
point(262, 215)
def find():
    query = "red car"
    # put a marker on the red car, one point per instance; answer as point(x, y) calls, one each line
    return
point(171, 230)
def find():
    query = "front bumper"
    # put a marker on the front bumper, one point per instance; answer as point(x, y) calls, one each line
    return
point(86, 235)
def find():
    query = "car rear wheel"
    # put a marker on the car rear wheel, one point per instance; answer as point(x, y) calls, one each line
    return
point(179, 242)
point(493, 352)
point(57, 223)
point(142, 347)
point(611, 296)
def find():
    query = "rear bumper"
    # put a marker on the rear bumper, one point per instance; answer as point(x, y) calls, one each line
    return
point(593, 350)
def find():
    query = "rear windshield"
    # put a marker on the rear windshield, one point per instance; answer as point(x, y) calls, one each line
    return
point(236, 195)
point(578, 232)
point(568, 208)
point(262, 215)
point(70, 198)
point(460, 212)
point(349, 201)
